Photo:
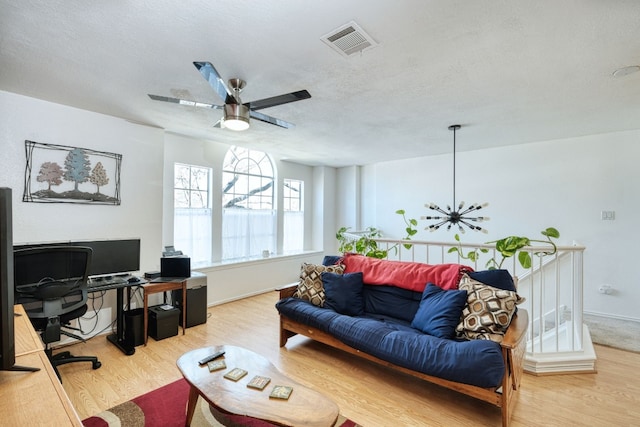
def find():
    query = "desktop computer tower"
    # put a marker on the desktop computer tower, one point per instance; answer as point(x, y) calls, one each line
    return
point(196, 299)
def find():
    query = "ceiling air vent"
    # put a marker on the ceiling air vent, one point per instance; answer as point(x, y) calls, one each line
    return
point(349, 39)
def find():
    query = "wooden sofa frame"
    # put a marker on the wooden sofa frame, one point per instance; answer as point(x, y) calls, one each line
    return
point(513, 349)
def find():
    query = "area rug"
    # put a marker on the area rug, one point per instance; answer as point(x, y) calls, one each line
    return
point(621, 334)
point(166, 407)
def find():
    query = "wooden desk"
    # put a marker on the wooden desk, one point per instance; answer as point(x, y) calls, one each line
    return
point(26, 338)
point(151, 288)
point(33, 398)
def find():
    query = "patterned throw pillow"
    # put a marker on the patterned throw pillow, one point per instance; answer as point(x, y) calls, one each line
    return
point(488, 312)
point(310, 287)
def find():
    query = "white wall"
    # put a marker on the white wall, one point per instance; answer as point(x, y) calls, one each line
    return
point(139, 215)
point(562, 183)
point(324, 209)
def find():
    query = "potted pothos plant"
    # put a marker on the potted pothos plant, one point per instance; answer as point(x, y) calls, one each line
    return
point(366, 245)
point(510, 246)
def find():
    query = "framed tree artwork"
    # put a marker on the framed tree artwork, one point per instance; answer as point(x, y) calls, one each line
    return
point(62, 174)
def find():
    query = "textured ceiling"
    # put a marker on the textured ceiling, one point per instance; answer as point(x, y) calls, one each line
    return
point(510, 72)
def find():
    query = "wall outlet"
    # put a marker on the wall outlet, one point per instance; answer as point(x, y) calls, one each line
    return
point(608, 215)
point(605, 289)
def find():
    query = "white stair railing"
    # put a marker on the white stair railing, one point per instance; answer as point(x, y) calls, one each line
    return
point(557, 339)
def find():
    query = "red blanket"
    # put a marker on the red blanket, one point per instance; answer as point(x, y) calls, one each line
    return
point(408, 275)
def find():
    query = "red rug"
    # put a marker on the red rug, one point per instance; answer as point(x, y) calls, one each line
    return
point(166, 407)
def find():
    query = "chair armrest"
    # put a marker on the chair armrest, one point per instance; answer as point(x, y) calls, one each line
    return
point(517, 329)
point(287, 290)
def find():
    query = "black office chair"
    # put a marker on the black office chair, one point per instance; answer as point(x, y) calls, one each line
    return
point(51, 285)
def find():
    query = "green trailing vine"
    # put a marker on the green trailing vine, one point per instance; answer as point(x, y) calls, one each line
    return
point(366, 244)
point(510, 246)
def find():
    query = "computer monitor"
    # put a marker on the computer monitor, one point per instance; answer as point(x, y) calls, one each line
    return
point(109, 257)
point(7, 342)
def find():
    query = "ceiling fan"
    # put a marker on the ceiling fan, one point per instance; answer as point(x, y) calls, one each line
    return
point(235, 113)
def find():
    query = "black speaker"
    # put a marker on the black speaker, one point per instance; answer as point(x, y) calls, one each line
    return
point(196, 300)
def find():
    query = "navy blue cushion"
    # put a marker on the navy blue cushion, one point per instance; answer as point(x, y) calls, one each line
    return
point(331, 259)
point(500, 279)
point(439, 311)
point(306, 313)
point(343, 293)
point(391, 301)
point(476, 362)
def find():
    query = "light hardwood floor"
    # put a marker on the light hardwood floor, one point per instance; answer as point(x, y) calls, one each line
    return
point(366, 393)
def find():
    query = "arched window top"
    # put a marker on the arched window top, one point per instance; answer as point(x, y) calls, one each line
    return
point(248, 162)
point(247, 179)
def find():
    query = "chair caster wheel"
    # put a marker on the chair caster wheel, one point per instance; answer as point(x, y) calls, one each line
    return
point(96, 365)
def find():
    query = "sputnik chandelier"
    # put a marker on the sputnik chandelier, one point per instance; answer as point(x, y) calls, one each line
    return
point(459, 216)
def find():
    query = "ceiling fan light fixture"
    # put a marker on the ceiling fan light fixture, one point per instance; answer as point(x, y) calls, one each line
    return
point(236, 117)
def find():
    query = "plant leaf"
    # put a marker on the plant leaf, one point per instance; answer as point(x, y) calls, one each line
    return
point(525, 259)
point(551, 232)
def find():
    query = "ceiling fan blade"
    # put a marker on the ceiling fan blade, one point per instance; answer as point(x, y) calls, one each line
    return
point(271, 120)
point(212, 76)
point(184, 102)
point(278, 100)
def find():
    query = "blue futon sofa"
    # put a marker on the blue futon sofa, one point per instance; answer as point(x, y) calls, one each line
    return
point(411, 317)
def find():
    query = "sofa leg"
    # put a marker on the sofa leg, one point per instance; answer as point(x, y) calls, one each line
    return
point(285, 335)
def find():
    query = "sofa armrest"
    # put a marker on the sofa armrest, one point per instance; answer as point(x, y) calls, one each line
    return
point(517, 330)
point(287, 290)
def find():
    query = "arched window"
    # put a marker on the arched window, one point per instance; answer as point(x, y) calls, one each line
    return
point(248, 213)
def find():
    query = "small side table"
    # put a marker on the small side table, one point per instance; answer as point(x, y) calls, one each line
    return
point(151, 288)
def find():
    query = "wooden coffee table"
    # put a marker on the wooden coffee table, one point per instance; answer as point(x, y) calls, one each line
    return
point(305, 407)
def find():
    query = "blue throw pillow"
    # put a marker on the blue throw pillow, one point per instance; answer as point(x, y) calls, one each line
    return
point(343, 293)
point(500, 279)
point(439, 311)
point(331, 259)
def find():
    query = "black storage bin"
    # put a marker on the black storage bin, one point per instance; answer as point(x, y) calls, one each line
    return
point(134, 327)
point(163, 321)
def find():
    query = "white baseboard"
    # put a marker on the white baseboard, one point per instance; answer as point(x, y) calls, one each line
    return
point(612, 316)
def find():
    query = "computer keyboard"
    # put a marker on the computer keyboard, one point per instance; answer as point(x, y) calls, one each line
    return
point(113, 281)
